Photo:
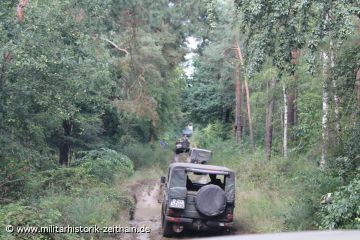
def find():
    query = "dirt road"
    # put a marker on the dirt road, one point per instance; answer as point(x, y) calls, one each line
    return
point(147, 210)
point(183, 157)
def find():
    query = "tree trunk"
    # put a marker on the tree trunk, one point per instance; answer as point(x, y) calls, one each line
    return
point(238, 125)
point(291, 108)
point(248, 108)
point(336, 97)
point(269, 117)
point(325, 110)
point(243, 119)
point(291, 97)
point(285, 136)
point(65, 145)
point(357, 84)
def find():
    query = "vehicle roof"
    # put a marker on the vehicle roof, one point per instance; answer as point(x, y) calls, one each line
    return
point(199, 166)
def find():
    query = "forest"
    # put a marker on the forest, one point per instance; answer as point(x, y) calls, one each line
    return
point(88, 88)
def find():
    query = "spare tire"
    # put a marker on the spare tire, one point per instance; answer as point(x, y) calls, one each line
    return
point(211, 200)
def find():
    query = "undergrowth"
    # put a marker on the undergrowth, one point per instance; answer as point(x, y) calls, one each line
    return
point(271, 196)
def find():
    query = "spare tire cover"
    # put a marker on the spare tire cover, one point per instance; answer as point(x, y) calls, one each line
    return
point(211, 200)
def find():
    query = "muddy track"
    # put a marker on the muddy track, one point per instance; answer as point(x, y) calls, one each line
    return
point(146, 196)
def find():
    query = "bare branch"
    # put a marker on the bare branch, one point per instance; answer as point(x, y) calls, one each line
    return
point(116, 46)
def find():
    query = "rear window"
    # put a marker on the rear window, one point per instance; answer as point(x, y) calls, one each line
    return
point(195, 181)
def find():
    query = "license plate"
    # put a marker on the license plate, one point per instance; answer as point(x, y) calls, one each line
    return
point(177, 203)
point(178, 146)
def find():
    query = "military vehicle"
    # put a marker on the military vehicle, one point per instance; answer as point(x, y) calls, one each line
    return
point(197, 196)
point(198, 155)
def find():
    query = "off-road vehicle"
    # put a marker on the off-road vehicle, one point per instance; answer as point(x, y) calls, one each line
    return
point(182, 145)
point(198, 197)
point(198, 155)
point(188, 131)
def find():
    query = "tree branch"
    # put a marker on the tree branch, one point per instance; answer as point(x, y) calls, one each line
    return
point(116, 46)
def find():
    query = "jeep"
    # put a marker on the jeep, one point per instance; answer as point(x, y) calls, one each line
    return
point(182, 145)
point(198, 197)
point(198, 155)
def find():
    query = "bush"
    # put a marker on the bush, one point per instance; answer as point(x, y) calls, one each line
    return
point(277, 195)
point(101, 206)
point(105, 164)
point(18, 214)
point(90, 210)
point(61, 180)
point(310, 185)
point(344, 211)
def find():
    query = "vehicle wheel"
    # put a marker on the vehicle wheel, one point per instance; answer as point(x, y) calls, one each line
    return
point(210, 200)
point(166, 226)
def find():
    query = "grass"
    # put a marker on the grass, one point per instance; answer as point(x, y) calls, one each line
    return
point(271, 196)
point(266, 191)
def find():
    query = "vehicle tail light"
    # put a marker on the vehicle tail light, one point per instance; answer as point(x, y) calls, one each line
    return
point(173, 219)
point(173, 212)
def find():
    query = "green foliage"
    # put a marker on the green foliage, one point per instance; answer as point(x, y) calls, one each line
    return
point(91, 210)
point(344, 211)
point(307, 132)
point(77, 196)
point(70, 180)
point(277, 195)
point(105, 164)
point(270, 195)
point(110, 70)
point(215, 132)
point(147, 155)
point(210, 94)
point(18, 214)
point(100, 206)
point(311, 185)
point(270, 32)
point(274, 29)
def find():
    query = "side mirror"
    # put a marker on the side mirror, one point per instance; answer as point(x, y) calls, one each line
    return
point(163, 179)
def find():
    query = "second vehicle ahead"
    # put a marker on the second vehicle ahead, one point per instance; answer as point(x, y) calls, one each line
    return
point(182, 145)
